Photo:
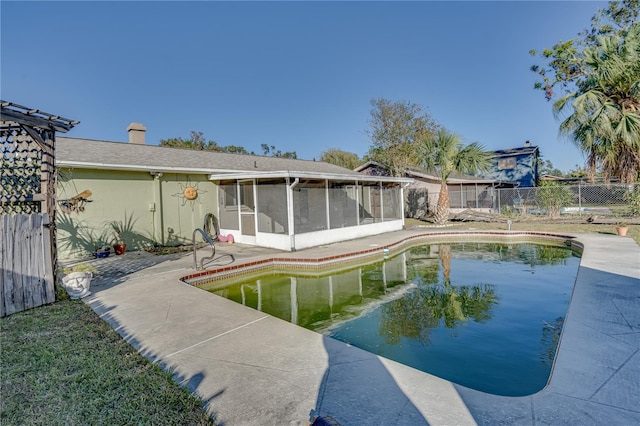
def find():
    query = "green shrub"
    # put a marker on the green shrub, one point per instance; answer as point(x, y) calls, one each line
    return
point(553, 198)
point(633, 198)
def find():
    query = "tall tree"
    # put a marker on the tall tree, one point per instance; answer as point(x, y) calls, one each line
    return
point(598, 75)
point(341, 158)
point(273, 152)
point(545, 167)
point(445, 153)
point(396, 129)
point(196, 141)
point(605, 118)
point(236, 149)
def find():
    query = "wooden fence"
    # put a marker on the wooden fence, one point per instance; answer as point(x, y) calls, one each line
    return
point(26, 272)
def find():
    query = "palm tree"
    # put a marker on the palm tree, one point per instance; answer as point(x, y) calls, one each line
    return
point(445, 153)
point(605, 122)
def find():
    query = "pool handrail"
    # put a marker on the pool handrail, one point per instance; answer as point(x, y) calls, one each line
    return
point(208, 239)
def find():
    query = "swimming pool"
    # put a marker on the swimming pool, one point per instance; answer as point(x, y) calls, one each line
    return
point(487, 316)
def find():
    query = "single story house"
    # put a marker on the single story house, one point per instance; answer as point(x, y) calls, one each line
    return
point(421, 195)
point(146, 194)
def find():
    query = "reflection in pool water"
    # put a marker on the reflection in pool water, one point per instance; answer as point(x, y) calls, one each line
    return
point(487, 316)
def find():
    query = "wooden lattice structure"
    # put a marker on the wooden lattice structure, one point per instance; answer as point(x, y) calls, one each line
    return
point(27, 164)
point(27, 187)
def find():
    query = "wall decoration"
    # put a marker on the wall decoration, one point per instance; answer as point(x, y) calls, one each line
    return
point(189, 192)
point(76, 203)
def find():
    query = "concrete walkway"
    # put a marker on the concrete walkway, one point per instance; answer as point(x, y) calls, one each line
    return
point(254, 369)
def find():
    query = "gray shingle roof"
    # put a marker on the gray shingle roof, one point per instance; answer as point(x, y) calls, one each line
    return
point(89, 153)
point(420, 172)
point(524, 150)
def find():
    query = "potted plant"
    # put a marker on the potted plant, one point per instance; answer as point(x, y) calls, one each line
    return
point(119, 246)
point(102, 251)
point(622, 228)
point(78, 280)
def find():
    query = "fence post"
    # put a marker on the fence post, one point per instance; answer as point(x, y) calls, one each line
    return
point(499, 206)
point(579, 199)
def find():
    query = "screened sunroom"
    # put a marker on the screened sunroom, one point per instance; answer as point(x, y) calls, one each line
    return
point(296, 210)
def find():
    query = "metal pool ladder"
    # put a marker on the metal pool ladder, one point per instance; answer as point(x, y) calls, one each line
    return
point(208, 239)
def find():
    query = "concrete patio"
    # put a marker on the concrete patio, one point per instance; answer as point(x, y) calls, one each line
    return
point(254, 369)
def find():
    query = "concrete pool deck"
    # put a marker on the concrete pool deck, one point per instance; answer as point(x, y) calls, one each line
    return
point(254, 369)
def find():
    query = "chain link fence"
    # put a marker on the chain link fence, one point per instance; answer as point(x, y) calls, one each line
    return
point(607, 200)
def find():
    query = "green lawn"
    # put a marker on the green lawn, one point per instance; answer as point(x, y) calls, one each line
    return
point(63, 365)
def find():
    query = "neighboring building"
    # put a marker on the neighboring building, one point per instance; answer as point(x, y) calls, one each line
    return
point(421, 195)
point(160, 195)
point(518, 166)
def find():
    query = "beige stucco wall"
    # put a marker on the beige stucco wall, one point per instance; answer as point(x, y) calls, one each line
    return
point(149, 210)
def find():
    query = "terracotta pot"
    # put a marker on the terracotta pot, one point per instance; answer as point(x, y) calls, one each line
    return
point(120, 248)
point(622, 230)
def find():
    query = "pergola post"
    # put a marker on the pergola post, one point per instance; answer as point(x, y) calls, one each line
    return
point(40, 127)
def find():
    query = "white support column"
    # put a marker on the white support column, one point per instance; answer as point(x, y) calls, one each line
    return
point(328, 208)
point(290, 212)
point(255, 205)
point(357, 203)
point(239, 205)
point(381, 203)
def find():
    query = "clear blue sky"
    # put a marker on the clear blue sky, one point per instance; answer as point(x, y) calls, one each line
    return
point(297, 75)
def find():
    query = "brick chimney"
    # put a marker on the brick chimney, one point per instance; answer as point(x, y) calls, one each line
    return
point(136, 133)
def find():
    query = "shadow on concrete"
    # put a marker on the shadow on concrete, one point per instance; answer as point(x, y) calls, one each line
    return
point(191, 383)
point(222, 260)
point(114, 270)
point(357, 389)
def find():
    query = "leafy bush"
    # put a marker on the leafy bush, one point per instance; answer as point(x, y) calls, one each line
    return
point(633, 198)
point(553, 198)
point(507, 211)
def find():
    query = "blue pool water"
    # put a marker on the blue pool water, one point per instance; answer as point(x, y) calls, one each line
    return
point(486, 316)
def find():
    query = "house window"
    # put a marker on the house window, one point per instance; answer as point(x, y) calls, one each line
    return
point(507, 163)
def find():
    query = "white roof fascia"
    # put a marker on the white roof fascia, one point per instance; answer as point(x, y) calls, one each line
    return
point(309, 175)
point(218, 174)
point(135, 167)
